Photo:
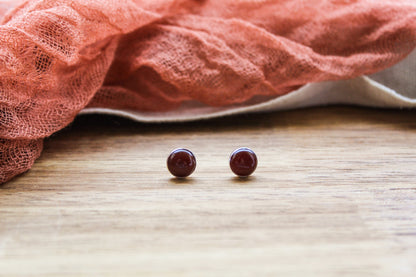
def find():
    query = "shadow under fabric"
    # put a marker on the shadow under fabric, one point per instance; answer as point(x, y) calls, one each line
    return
point(176, 60)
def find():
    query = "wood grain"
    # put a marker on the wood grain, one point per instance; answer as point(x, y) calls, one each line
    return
point(334, 195)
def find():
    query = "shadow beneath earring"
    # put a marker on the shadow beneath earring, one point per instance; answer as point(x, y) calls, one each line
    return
point(181, 181)
point(242, 180)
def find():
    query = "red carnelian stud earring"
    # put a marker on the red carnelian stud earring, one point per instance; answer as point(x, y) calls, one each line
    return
point(243, 162)
point(181, 162)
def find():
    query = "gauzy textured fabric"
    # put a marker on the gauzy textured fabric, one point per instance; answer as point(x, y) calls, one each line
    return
point(58, 57)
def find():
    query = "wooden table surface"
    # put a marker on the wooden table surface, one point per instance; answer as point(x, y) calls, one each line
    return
point(334, 195)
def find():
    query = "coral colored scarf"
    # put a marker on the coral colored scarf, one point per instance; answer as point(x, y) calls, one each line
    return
point(59, 57)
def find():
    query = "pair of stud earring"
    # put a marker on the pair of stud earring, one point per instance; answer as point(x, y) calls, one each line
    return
point(182, 162)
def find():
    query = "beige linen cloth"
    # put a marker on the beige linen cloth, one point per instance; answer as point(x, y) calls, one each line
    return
point(394, 87)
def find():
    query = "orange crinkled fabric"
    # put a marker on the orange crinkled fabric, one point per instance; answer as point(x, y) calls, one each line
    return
point(60, 56)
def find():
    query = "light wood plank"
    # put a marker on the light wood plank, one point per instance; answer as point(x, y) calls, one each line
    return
point(334, 195)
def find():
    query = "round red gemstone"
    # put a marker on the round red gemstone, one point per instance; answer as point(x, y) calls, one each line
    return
point(243, 162)
point(181, 162)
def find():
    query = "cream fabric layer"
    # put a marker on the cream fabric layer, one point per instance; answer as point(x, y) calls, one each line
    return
point(394, 87)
